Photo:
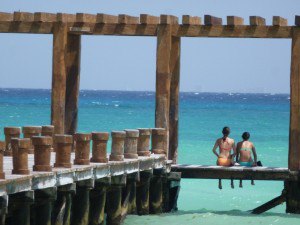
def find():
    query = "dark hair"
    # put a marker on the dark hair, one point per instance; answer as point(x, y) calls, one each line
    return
point(226, 131)
point(246, 136)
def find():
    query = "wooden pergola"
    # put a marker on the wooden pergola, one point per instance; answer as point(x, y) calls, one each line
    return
point(68, 28)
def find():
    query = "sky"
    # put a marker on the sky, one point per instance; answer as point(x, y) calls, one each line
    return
point(128, 63)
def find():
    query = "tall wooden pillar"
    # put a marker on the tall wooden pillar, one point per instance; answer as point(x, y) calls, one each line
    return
point(163, 72)
point(293, 188)
point(72, 82)
point(174, 99)
point(60, 34)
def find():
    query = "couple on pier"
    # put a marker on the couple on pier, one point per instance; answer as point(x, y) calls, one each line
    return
point(243, 150)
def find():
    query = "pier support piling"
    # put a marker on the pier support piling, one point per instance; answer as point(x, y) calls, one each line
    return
point(142, 192)
point(3, 209)
point(129, 193)
point(156, 192)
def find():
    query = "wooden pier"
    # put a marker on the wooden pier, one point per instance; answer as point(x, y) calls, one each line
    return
point(51, 193)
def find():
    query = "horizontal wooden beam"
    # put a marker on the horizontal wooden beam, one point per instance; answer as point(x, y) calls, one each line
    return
point(65, 18)
point(105, 18)
point(126, 19)
point(191, 20)
point(23, 16)
point(6, 16)
point(244, 173)
point(85, 18)
point(44, 17)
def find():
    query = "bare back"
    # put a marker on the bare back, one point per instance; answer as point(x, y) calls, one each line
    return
point(225, 147)
point(244, 151)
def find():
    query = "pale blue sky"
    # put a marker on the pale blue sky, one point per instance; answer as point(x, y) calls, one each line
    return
point(128, 63)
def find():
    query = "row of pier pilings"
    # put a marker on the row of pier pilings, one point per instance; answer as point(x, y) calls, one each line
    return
point(88, 202)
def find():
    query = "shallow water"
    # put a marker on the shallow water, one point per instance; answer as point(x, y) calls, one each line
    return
point(202, 116)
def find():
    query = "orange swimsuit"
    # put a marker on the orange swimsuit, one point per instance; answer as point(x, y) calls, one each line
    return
point(224, 161)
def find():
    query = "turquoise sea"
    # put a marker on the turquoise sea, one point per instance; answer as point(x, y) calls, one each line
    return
point(202, 116)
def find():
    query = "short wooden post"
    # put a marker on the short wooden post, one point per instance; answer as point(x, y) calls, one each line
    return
point(63, 148)
point(159, 139)
point(19, 208)
point(143, 147)
point(10, 132)
point(29, 132)
point(174, 99)
point(20, 149)
point(99, 153)
point(130, 145)
point(42, 208)
point(97, 202)
point(142, 192)
point(42, 153)
point(156, 193)
point(114, 200)
point(60, 34)
point(117, 146)
point(73, 51)
point(81, 203)
point(61, 214)
point(2, 149)
point(48, 130)
point(82, 150)
point(293, 187)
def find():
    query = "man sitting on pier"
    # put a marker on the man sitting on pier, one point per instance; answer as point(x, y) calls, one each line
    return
point(225, 144)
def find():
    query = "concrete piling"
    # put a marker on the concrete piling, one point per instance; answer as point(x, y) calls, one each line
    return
point(117, 146)
point(130, 145)
point(99, 152)
point(29, 132)
point(48, 130)
point(10, 132)
point(143, 147)
point(82, 149)
point(42, 153)
point(63, 148)
point(20, 148)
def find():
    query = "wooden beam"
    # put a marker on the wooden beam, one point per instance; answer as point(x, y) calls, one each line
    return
point(191, 20)
point(279, 21)
point(44, 17)
point(148, 19)
point(23, 17)
point(237, 172)
point(72, 82)
point(211, 20)
point(257, 21)
point(59, 78)
point(85, 18)
point(235, 20)
point(105, 18)
point(65, 18)
point(270, 204)
point(297, 20)
point(294, 138)
point(174, 99)
point(168, 19)
point(6, 16)
point(126, 19)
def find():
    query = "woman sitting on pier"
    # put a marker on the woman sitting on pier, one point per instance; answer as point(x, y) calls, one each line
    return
point(225, 144)
point(244, 150)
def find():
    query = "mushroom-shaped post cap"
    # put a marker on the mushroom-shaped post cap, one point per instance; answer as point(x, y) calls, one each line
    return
point(159, 131)
point(63, 138)
point(100, 136)
point(132, 133)
point(144, 131)
point(47, 128)
point(12, 130)
point(32, 129)
point(2, 145)
point(118, 134)
point(82, 137)
point(21, 142)
point(42, 140)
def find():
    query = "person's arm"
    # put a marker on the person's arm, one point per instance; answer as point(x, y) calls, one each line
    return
point(234, 150)
point(215, 148)
point(237, 153)
point(255, 155)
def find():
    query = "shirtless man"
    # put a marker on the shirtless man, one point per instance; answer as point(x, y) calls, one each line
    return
point(225, 144)
point(244, 150)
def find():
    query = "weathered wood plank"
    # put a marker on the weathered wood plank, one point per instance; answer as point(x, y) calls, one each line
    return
point(105, 18)
point(168, 19)
point(59, 78)
point(297, 20)
point(65, 18)
point(148, 19)
point(235, 20)
point(191, 20)
point(126, 19)
point(72, 82)
point(23, 16)
point(294, 137)
point(6, 16)
point(85, 18)
point(257, 21)
point(211, 20)
point(279, 21)
point(44, 17)
point(174, 99)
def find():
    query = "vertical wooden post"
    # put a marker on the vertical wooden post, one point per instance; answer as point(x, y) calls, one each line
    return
point(73, 51)
point(156, 192)
point(142, 192)
point(293, 188)
point(60, 34)
point(174, 99)
point(163, 73)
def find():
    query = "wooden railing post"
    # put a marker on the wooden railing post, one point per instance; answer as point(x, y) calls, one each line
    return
point(60, 34)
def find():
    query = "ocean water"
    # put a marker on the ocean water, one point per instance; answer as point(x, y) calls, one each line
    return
point(202, 116)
